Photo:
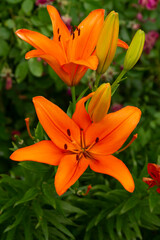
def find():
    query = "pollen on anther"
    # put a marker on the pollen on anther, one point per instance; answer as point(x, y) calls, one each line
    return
point(79, 31)
point(69, 132)
point(73, 35)
point(97, 139)
point(65, 146)
point(77, 157)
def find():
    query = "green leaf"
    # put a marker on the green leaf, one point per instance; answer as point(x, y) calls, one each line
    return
point(110, 227)
point(154, 199)
point(43, 15)
point(4, 33)
point(119, 224)
point(49, 193)
point(35, 166)
point(82, 94)
point(11, 234)
point(69, 208)
point(8, 214)
point(19, 216)
point(28, 228)
point(27, 6)
point(100, 216)
point(8, 204)
point(9, 23)
point(91, 224)
point(44, 229)
point(135, 225)
point(28, 196)
point(39, 212)
point(59, 226)
point(39, 132)
point(70, 109)
point(14, 1)
point(21, 71)
point(54, 232)
point(4, 49)
point(35, 67)
point(87, 235)
point(131, 203)
point(151, 218)
point(115, 211)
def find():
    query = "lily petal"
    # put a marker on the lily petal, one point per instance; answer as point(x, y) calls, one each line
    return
point(44, 152)
point(81, 111)
point(122, 44)
point(85, 41)
point(56, 123)
point(113, 130)
point(114, 167)
point(43, 43)
point(68, 172)
point(59, 28)
point(34, 53)
point(91, 62)
point(52, 61)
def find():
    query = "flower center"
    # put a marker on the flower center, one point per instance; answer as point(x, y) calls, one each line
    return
point(81, 150)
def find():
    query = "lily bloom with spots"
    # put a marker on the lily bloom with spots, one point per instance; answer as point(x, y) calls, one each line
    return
point(78, 143)
point(70, 54)
point(154, 172)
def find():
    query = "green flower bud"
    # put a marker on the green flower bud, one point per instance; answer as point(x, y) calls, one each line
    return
point(100, 103)
point(135, 50)
point(107, 42)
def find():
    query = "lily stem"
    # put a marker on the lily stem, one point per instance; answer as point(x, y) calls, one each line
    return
point(116, 82)
point(98, 76)
point(73, 98)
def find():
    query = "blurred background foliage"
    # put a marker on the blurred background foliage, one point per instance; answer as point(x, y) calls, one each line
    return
point(29, 206)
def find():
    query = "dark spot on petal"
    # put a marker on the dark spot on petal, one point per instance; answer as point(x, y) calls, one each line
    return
point(68, 132)
point(97, 139)
point(58, 30)
point(77, 157)
point(59, 38)
point(65, 146)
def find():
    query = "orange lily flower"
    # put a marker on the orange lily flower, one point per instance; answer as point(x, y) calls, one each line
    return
point(69, 54)
point(78, 143)
point(154, 172)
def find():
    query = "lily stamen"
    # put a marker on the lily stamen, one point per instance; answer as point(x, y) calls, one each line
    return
point(132, 140)
point(90, 146)
point(28, 128)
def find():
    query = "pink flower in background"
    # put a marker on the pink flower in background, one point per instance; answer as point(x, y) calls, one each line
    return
point(149, 4)
point(152, 4)
point(42, 2)
point(140, 17)
point(150, 40)
point(67, 20)
point(8, 85)
point(116, 106)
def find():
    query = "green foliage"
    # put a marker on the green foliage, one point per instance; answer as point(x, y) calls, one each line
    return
point(30, 208)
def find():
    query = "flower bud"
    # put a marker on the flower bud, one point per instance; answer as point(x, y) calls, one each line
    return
point(100, 103)
point(107, 42)
point(135, 50)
